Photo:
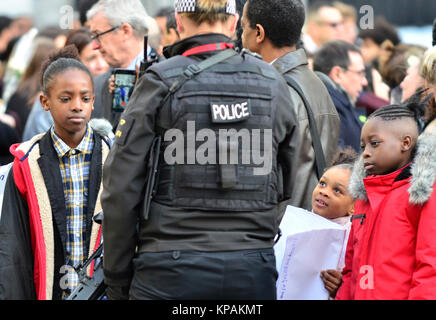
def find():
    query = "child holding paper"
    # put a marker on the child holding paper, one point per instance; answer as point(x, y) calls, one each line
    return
point(331, 200)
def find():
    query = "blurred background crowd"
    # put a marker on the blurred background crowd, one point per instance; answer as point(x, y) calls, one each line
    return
point(30, 30)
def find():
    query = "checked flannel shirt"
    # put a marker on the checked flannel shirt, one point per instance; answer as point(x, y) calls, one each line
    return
point(75, 166)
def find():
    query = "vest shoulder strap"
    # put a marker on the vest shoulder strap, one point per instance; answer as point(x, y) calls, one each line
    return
point(193, 70)
point(227, 68)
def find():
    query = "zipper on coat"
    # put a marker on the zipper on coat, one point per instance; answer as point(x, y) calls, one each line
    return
point(360, 217)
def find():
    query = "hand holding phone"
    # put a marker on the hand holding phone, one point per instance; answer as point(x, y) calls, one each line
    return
point(124, 83)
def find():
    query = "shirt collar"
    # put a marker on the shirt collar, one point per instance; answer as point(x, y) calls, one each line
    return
point(309, 44)
point(63, 149)
point(290, 61)
point(139, 58)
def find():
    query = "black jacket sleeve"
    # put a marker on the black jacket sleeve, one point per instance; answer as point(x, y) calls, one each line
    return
point(124, 177)
point(16, 257)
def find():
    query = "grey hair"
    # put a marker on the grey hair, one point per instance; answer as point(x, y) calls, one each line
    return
point(122, 11)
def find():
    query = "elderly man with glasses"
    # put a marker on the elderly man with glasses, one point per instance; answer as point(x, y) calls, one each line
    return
point(118, 29)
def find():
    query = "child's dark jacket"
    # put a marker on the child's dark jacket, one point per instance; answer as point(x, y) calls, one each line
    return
point(33, 225)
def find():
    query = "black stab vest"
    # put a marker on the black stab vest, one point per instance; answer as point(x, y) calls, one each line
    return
point(206, 165)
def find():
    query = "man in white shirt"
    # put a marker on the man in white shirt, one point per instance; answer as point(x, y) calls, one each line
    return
point(324, 23)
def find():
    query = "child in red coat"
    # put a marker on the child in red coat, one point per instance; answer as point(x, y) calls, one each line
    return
point(391, 251)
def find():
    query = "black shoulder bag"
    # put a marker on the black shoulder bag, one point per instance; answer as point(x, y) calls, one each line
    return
point(320, 161)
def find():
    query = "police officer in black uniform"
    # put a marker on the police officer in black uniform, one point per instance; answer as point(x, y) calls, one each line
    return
point(227, 159)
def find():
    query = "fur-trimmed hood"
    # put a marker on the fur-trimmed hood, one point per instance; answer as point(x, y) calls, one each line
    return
point(423, 171)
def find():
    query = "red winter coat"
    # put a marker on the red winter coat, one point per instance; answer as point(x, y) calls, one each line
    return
point(391, 251)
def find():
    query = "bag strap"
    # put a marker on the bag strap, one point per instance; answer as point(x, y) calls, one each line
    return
point(316, 141)
point(194, 69)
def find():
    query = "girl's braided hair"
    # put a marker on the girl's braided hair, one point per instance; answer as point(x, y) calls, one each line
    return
point(60, 61)
point(414, 108)
point(344, 158)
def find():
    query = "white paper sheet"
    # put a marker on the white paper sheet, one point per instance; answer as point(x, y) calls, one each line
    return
point(309, 244)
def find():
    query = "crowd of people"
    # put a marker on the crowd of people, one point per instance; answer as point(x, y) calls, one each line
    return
point(343, 118)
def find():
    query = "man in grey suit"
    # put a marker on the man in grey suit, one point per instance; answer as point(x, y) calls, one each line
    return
point(118, 29)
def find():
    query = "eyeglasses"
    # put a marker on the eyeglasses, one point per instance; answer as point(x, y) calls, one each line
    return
point(98, 35)
point(361, 73)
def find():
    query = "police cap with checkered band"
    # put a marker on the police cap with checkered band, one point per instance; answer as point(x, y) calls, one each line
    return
point(190, 6)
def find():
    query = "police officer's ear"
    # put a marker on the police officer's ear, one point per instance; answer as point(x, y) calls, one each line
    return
point(180, 28)
point(232, 24)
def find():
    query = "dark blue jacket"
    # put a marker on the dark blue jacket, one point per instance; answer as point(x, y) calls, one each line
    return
point(352, 118)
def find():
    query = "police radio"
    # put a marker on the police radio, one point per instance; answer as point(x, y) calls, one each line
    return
point(147, 61)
